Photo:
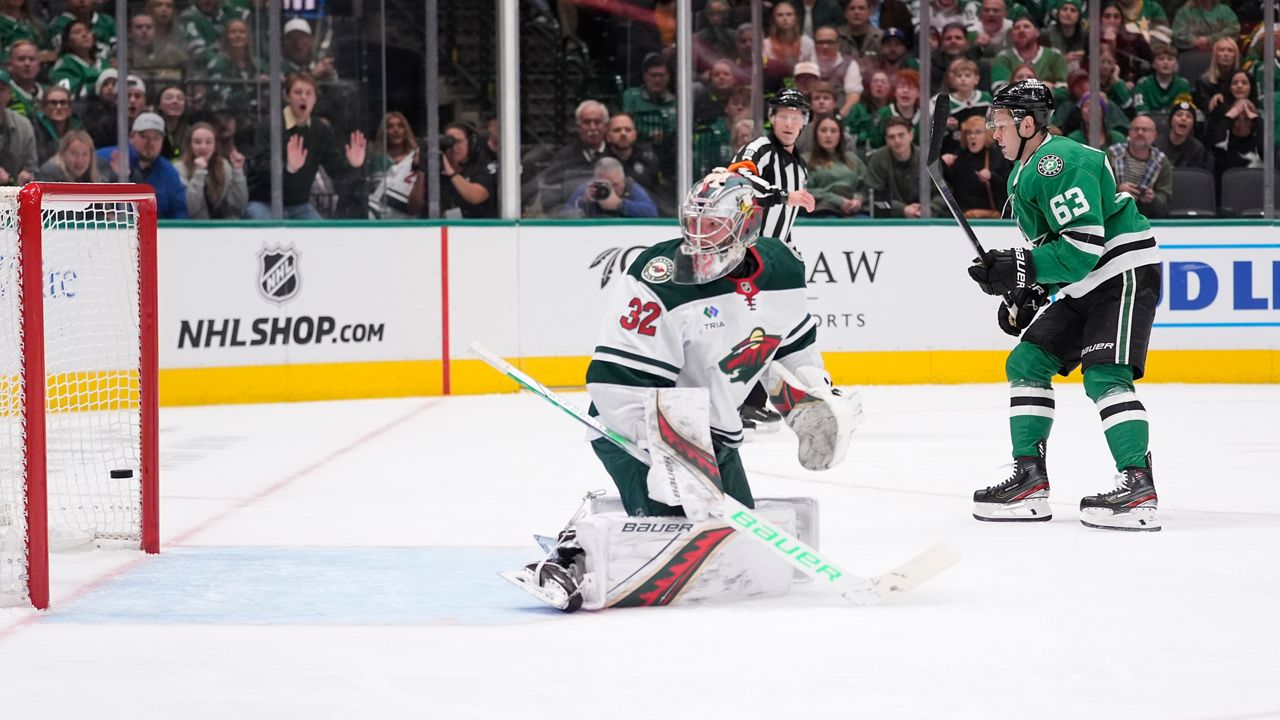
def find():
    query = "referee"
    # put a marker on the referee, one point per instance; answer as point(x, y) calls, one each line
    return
point(771, 164)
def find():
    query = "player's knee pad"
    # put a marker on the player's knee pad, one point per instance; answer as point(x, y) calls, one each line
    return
point(1106, 379)
point(1030, 363)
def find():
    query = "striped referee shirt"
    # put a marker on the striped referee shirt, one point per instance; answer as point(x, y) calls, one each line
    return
point(780, 172)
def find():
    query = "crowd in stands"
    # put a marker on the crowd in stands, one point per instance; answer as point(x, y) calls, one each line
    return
point(1181, 86)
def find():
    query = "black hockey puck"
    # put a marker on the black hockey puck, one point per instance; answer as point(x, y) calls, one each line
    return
point(121, 474)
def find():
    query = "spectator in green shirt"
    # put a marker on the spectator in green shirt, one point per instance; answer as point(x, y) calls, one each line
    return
point(1201, 23)
point(102, 25)
point(1049, 64)
point(837, 178)
point(1154, 94)
point(1081, 135)
point(652, 105)
point(17, 23)
point(79, 65)
point(204, 22)
point(24, 68)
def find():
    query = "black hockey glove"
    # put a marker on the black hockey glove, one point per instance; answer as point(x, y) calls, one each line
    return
point(1019, 309)
point(1000, 272)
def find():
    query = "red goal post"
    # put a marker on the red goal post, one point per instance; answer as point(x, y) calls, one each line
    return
point(79, 455)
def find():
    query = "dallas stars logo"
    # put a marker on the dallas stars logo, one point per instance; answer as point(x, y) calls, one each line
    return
point(1050, 165)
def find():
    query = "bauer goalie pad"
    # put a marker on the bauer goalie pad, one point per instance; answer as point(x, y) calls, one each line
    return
point(822, 417)
point(683, 469)
point(805, 509)
point(654, 561)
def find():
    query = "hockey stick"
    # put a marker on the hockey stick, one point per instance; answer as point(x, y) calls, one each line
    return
point(941, 112)
point(856, 589)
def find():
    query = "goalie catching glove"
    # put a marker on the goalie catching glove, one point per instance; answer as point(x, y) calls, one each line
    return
point(822, 417)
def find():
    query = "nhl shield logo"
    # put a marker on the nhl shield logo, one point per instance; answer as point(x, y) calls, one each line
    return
point(278, 278)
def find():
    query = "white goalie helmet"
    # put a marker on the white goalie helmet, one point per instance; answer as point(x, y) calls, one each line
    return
point(719, 219)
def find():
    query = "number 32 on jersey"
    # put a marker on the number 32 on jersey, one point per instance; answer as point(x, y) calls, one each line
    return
point(1068, 205)
point(642, 317)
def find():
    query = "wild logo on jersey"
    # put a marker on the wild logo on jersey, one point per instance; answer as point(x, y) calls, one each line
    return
point(750, 356)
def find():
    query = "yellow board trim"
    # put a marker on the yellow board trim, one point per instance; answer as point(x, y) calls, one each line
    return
point(344, 381)
point(296, 383)
point(925, 367)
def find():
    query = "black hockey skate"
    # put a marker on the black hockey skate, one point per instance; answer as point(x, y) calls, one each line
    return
point(1131, 506)
point(556, 580)
point(1022, 497)
point(759, 420)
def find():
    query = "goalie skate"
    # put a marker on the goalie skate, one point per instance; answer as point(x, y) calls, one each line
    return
point(550, 582)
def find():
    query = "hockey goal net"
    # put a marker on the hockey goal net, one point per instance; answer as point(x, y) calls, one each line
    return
point(78, 376)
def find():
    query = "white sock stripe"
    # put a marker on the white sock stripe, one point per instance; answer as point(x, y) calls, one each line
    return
point(1127, 416)
point(1037, 410)
point(1031, 392)
point(1115, 398)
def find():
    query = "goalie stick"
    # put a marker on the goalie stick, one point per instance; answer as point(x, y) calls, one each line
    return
point(941, 112)
point(854, 588)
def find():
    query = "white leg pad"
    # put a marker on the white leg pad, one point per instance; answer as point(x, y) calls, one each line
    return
point(655, 561)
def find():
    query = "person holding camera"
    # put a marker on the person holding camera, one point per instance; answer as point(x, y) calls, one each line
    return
point(610, 193)
point(468, 177)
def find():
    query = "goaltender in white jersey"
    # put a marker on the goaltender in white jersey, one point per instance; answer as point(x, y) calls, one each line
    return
point(694, 324)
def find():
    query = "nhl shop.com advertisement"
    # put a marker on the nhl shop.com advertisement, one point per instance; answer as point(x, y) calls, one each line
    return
point(266, 297)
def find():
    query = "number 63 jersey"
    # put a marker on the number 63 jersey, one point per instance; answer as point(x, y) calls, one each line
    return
point(720, 335)
point(1082, 231)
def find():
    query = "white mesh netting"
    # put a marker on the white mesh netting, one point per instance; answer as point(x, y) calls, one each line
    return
point(92, 353)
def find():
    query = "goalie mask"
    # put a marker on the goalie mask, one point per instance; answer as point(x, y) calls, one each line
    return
point(719, 220)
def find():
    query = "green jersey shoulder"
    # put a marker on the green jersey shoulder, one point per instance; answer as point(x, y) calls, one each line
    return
point(655, 268)
point(1066, 204)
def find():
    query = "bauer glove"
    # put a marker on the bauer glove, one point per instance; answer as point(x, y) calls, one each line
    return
point(1000, 272)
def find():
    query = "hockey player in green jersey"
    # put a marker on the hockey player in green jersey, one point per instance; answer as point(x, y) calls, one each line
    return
point(1095, 251)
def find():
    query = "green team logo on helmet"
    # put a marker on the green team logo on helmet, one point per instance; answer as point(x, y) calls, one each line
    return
point(1050, 165)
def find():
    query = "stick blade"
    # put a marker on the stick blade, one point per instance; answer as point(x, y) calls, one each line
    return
point(916, 571)
point(941, 111)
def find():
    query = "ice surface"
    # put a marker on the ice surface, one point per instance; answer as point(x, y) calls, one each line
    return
point(337, 560)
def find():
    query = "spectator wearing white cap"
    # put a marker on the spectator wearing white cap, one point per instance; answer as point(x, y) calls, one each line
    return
point(300, 54)
point(18, 163)
point(203, 23)
point(805, 75)
point(99, 114)
point(308, 145)
point(24, 68)
point(148, 167)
